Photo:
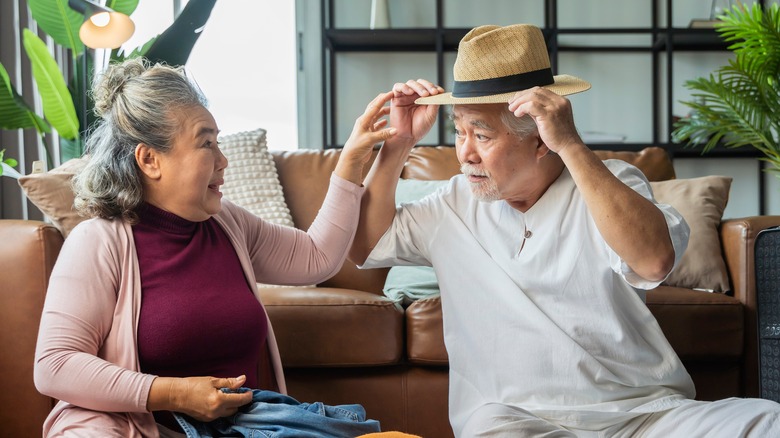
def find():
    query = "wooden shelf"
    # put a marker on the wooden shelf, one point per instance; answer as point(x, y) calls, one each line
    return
point(656, 41)
point(691, 40)
point(381, 40)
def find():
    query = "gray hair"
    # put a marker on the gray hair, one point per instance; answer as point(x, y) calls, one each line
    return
point(521, 127)
point(136, 103)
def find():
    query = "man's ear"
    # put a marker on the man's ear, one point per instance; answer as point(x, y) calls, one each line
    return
point(541, 148)
point(148, 161)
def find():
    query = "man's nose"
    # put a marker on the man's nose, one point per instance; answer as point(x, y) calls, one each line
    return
point(466, 151)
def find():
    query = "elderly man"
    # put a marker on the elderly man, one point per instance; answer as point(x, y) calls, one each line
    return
point(542, 252)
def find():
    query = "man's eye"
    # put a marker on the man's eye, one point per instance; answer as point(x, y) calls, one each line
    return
point(481, 137)
point(456, 132)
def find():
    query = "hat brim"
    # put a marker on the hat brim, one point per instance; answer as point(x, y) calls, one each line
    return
point(563, 85)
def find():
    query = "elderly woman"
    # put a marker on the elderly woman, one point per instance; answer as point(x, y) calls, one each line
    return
point(152, 305)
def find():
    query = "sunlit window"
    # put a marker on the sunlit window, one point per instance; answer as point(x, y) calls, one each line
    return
point(245, 63)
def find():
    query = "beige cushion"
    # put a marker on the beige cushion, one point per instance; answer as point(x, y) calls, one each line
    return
point(251, 180)
point(701, 202)
point(51, 192)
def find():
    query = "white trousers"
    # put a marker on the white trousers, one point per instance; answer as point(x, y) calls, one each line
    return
point(729, 418)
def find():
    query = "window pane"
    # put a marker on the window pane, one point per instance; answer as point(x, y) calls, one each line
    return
point(245, 63)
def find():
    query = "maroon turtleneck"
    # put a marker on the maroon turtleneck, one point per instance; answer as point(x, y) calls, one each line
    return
point(198, 316)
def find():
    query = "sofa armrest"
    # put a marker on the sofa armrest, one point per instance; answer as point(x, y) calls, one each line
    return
point(738, 238)
point(28, 250)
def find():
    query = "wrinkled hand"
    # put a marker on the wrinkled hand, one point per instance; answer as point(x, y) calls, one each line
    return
point(413, 121)
point(552, 114)
point(201, 398)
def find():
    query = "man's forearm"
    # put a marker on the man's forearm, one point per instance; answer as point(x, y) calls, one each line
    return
point(632, 225)
point(377, 207)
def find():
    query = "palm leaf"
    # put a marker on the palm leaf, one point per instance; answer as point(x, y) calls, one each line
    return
point(738, 104)
point(59, 21)
point(14, 112)
point(57, 101)
point(175, 44)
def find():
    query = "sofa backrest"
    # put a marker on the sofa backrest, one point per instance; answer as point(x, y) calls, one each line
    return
point(304, 175)
point(440, 162)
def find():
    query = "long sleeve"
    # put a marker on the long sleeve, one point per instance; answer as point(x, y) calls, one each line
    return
point(85, 353)
point(284, 255)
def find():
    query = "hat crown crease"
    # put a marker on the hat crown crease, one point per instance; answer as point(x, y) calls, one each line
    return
point(523, 47)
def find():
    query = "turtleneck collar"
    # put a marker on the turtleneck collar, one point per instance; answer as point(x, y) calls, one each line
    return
point(165, 221)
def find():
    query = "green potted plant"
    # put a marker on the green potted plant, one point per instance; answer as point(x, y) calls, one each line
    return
point(739, 104)
point(60, 97)
point(9, 163)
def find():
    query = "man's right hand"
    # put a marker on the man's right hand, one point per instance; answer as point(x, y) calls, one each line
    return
point(411, 120)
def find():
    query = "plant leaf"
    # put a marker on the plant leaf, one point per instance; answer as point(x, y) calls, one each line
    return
point(59, 21)
point(126, 7)
point(138, 51)
point(14, 112)
point(71, 148)
point(80, 92)
point(738, 104)
point(57, 102)
point(175, 44)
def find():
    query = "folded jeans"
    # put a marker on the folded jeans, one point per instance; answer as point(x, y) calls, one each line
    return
point(271, 414)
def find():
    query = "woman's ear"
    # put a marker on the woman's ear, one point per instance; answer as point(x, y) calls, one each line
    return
point(148, 161)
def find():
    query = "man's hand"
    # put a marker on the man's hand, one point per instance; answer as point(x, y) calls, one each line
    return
point(198, 397)
point(412, 121)
point(552, 114)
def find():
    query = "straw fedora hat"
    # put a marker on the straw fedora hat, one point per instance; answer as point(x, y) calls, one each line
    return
point(495, 62)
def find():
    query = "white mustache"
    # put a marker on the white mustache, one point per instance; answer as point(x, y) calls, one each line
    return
point(471, 170)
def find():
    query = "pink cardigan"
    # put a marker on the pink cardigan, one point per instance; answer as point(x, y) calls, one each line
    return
point(87, 355)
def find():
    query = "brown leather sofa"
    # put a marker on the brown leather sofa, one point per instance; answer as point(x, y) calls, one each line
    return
point(343, 342)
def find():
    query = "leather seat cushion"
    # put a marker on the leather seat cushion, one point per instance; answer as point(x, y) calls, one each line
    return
point(699, 325)
point(328, 327)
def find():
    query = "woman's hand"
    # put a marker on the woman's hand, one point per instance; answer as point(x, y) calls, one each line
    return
point(367, 131)
point(198, 397)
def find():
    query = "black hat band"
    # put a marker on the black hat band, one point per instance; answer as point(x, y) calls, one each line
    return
point(505, 84)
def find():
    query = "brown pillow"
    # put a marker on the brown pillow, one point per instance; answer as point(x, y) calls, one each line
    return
point(701, 202)
point(51, 192)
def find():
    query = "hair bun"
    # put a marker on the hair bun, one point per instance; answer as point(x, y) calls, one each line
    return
point(111, 82)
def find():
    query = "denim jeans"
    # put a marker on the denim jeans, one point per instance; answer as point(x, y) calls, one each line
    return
point(279, 416)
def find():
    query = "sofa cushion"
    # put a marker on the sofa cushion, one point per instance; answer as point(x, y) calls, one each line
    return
point(425, 333)
point(405, 284)
point(251, 180)
point(51, 192)
point(698, 325)
point(701, 202)
point(329, 327)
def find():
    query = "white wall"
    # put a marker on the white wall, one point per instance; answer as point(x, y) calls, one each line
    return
point(619, 102)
